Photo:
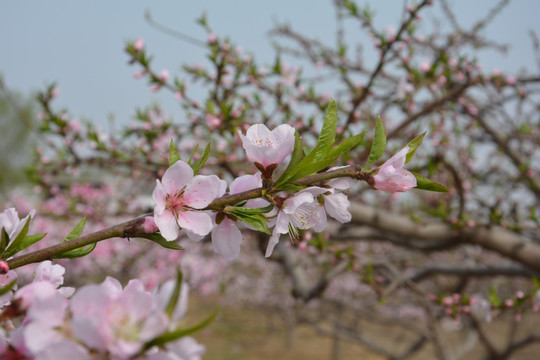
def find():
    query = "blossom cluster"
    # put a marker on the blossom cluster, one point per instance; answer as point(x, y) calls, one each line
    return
point(182, 198)
point(97, 321)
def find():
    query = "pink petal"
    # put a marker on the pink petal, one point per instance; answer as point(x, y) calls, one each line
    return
point(398, 160)
point(160, 198)
point(201, 191)
point(274, 240)
point(336, 205)
point(167, 225)
point(245, 183)
point(176, 177)
point(226, 239)
point(291, 204)
point(195, 221)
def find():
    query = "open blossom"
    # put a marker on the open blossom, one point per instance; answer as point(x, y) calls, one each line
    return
point(107, 318)
point(300, 211)
point(178, 197)
point(392, 177)
point(268, 147)
point(9, 221)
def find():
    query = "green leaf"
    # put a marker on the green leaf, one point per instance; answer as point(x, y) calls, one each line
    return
point(312, 168)
point(250, 211)
point(413, 145)
point(328, 132)
point(347, 145)
point(174, 155)
point(4, 240)
point(178, 333)
point(30, 240)
point(379, 142)
point(160, 240)
point(175, 295)
point(258, 221)
point(77, 230)
point(8, 287)
point(13, 248)
point(202, 160)
point(193, 153)
point(296, 156)
point(493, 297)
point(78, 252)
point(423, 183)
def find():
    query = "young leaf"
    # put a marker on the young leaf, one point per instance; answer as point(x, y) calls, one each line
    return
point(8, 287)
point(250, 211)
point(379, 142)
point(171, 305)
point(296, 156)
point(346, 145)
point(178, 333)
point(328, 132)
point(174, 155)
point(160, 240)
point(197, 165)
point(258, 221)
point(195, 149)
point(13, 248)
point(77, 230)
point(4, 240)
point(413, 145)
point(75, 253)
point(423, 183)
point(30, 240)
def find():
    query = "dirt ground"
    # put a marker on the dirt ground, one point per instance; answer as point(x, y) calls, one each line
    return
point(243, 334)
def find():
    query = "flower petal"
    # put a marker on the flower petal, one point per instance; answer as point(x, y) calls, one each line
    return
point(167, 225)
point(336, 205)
point(245, 183)
point(197, 222)
point(177, 177)
point(226, 239)
point(201, 191)
point(274, 240)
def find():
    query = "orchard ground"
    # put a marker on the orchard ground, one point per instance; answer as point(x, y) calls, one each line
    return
point(240, 334)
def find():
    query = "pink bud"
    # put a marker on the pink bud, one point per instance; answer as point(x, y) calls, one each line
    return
point(212, 38)
point(139, 44)
point(4, 267)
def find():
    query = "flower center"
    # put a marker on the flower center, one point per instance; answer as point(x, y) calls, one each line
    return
point(175, 202)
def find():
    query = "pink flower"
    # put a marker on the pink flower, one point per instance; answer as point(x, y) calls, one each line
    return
point(298, 212)
point(268, 147)
point(392, 177)
point(178, 197)
point(139, 44)
point(108, 318)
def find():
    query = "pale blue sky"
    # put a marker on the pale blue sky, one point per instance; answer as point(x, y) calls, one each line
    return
point(80, 44)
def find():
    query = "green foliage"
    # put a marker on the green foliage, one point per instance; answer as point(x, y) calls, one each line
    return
point(180, 332)
point(423, 183)
point(413, 145)
point(379, 142)
point(197, 165)
point(173, 301)
point(322, 155)
point(73, 234)
point(174, 155)
point(8, 287)
point(251, 216)
point(160, 240)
